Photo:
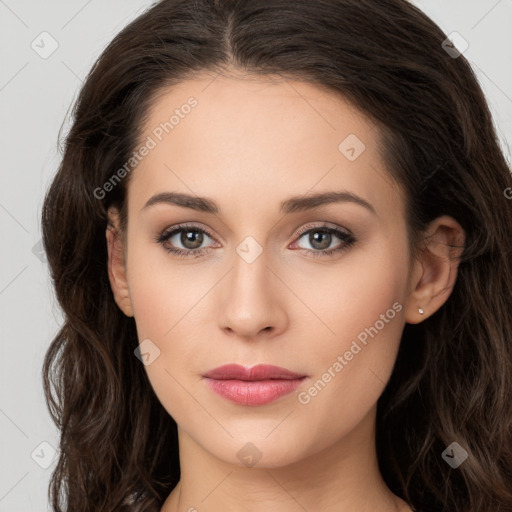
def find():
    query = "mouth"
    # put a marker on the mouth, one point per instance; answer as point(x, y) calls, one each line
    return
point(254, 386)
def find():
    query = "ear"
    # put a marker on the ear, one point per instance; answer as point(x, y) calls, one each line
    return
point(116, 263)
point(435, 271)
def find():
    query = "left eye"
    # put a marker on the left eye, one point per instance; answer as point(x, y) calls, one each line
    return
point(321, 238)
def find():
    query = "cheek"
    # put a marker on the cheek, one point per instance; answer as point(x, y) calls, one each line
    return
point(161, 292)
point(345, 299)
point(170, 311)
point(160, 308)
point(364, 312)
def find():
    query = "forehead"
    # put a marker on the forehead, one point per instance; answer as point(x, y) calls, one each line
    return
point(258, 138)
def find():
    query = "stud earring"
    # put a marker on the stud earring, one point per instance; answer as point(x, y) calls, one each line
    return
point(420, 311)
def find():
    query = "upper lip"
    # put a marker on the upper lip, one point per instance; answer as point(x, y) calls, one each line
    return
point(258, 372)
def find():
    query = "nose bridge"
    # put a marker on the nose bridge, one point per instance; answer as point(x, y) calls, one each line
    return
point(250, 301)
point(250, 278)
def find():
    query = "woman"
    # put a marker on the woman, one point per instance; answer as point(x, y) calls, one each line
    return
point(280, 239)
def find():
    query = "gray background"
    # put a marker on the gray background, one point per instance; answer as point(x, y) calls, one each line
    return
point(35, 97)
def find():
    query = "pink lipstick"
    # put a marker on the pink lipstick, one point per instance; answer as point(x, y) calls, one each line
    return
point(258, 385)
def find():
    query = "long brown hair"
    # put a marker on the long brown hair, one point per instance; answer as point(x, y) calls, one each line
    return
point(452, 378)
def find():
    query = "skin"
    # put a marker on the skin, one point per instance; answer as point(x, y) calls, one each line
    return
point(250, 143)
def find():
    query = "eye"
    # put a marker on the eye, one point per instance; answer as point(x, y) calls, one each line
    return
point(321, 237)
point(191, 237)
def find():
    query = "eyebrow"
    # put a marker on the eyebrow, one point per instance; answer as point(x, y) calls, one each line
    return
point(291, 205)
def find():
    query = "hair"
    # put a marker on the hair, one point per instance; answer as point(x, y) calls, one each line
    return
point(451, 380)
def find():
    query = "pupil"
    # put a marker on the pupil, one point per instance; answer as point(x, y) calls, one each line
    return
point(314, 239)
point(191, 236)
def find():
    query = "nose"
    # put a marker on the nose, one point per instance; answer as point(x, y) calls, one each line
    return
point(252, 300)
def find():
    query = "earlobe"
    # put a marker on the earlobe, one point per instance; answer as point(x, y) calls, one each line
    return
point(435, 272)
point(116, 265)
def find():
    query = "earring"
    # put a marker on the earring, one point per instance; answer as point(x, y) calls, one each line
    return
point(420, 311)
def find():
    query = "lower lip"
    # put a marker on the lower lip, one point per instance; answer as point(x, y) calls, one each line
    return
point(259, 392)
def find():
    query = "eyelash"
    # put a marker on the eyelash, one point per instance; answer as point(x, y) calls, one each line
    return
point(348, 239)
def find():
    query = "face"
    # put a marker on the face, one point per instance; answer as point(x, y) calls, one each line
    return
point(316, 287)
